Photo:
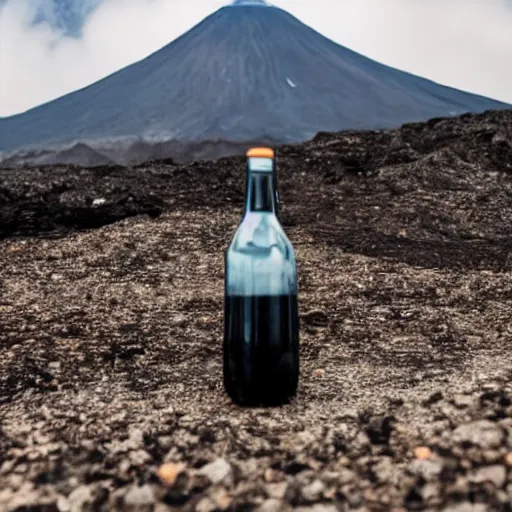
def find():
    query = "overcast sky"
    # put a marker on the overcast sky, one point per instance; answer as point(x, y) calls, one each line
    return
point(462, 43)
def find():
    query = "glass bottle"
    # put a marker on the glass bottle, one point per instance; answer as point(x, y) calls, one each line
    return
point(261, 322)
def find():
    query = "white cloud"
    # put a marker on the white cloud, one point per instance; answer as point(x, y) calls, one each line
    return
point(37, 65)
point(462, 43)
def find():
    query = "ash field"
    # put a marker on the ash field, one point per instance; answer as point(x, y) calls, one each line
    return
point(111, 304)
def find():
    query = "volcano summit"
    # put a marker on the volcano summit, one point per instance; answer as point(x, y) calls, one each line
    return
point(248, 72)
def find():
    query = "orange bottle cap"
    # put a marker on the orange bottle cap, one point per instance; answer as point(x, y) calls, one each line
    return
point(260, 153)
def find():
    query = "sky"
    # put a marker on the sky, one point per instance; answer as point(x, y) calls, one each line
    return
point(462, 43)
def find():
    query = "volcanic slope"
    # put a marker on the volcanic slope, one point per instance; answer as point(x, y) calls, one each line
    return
point(249, 71)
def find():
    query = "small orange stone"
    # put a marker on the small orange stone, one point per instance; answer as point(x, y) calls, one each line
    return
point(169, 471)
point(319, 372)
point(330, 493)
point(508, 459)
point(422, 452)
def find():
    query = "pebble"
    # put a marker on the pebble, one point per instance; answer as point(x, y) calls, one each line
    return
point(353, 496)
point(462, 401)
point(466, 506)
point(495, 474)
point(428, 469)
point(79, 497)
point(429, 491)
point(21, 468)
point(139, 457)
point(384, 470)
point(313, 491)
point(16, 481)
point(460, 486)
point(422, 452)
point(272, 505)
point(206, 505)
point(502, 497)
point(271, 475)
point(319, 507)
point(350, 415)
point(168, 473)
point(7, 467)
point(139, 497)
point(346, 476)
point(216, 471)
point(481, 433)
point(124, 468)
point(277, 490)
point(165, 442)
point(490, 457)
point(330, 493)
point(221, 498)
point(361, 442)
point(63, 504)
point(330, 477)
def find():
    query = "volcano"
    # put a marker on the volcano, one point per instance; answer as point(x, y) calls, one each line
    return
point(249, 71)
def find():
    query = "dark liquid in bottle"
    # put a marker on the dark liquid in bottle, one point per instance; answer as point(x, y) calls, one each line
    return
point(261, 349)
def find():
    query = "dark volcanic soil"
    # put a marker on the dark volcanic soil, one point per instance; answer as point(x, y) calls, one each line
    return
point(111, 293)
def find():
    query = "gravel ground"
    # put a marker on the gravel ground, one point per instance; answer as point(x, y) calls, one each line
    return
point(111, 295)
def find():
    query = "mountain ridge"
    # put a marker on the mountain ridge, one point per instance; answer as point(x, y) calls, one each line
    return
point(242, 73)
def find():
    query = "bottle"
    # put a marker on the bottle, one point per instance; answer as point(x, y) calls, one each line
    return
point(261, 322)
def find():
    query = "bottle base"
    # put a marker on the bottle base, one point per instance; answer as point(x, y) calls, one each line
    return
point(258, 400)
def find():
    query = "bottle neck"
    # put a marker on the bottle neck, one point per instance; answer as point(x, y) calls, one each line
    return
point(261, 195)
point(261, 188)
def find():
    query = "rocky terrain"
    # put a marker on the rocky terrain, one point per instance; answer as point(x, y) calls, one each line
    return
point(111, 294)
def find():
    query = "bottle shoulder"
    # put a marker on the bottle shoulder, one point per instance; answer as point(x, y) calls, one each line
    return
point(260, 259)
point(260, 231)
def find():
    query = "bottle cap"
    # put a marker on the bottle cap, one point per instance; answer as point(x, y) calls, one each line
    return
point(260, 153)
